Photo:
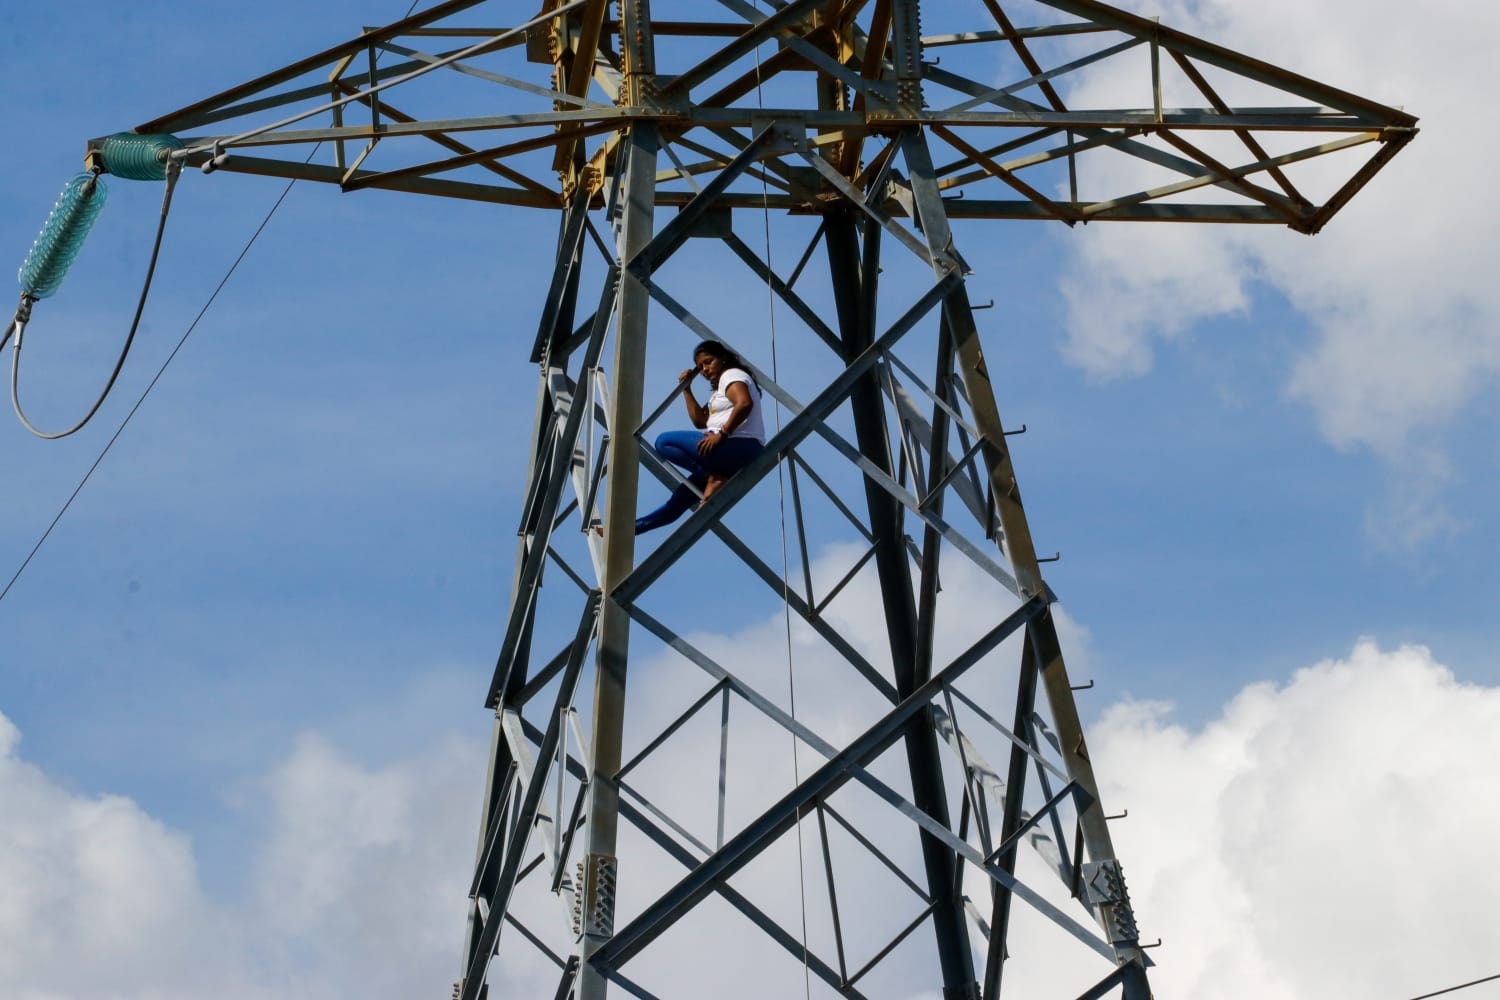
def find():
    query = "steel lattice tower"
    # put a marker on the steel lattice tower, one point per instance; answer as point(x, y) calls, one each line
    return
point(940, 824)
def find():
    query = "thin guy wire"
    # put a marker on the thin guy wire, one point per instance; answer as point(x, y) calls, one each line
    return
point(162, 370)
point(786, 607)
point(1455, 989)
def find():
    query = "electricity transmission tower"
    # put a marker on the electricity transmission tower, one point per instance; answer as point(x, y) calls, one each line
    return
point(888, 792)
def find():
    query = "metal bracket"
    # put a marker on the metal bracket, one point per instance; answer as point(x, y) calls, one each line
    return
point(789, 132)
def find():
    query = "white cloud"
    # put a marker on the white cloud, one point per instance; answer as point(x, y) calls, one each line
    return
point(358, 886)
point(100, 899)
point(1324, 838)
point(1120, 301)
point(1406, 319)
point(1283, 850)
point(363, 875)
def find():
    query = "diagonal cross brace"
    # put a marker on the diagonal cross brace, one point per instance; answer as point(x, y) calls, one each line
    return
point(838, 771)
point(642, 822)
point(1234, 62)
point(563, 446)
point(799, 427)
point(510, 859)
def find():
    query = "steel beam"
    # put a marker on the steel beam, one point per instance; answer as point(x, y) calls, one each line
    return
point(854, 291)
point(1017, 532)
point(638, 154)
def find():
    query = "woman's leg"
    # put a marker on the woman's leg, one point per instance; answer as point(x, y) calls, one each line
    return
point(679, 503)
point(728, 458)
point(708, 474)
point(681, 449)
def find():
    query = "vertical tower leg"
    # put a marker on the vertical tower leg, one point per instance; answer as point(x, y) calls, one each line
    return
point(500, 783)
point(1041, 633)
point(639, 155)
point(854, 277)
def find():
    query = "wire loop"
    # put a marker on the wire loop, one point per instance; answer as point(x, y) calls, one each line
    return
point(173, 170)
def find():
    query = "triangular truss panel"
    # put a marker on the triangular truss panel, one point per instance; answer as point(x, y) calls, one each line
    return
point(877, 785)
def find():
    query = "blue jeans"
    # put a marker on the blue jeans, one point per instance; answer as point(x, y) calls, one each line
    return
point(681, 449)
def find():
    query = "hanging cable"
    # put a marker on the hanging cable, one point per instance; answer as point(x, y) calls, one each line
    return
point(131, 161)
point(45, 266)
point(786, 607)
point(1455, 989)
point(152, 385)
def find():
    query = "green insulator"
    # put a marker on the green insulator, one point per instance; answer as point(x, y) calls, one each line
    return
point(137, 157)
point(62, 236)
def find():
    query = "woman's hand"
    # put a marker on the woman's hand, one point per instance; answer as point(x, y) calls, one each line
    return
point(709, 442)
point(696, 413)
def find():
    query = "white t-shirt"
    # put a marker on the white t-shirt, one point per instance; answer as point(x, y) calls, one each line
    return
point(720, 406)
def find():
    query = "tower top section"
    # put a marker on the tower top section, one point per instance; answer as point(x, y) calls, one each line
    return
point(1068, 110)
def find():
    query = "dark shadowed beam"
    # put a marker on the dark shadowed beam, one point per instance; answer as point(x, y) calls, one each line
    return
point(872, 67)
point(1012, 816)
point(454, 146)
point(185, 117)
point(742, 46)
point(463, 190)
point(1394, 142)
point(854, 291)
point(1058, 210)
point(483, 157)
point(1246, 136)
point(1019, 546)
point(1023, 52)
point(1234, 62)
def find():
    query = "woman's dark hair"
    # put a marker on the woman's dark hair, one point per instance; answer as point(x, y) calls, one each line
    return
point(714, 349)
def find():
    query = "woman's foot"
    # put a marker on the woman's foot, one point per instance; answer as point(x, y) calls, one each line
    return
point(712, 486)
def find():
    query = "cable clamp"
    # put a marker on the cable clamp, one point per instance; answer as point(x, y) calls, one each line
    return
point(215, 161)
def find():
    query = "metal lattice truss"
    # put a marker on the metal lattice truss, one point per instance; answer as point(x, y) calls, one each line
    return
point(914, 466)
point(940, 810)
point(1214, 135)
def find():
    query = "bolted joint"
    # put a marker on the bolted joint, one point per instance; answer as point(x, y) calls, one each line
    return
point(594, 904)
point(1105, 884)
point(578, 903)
point(788, 132)
point(909, 99)
point(654, 95)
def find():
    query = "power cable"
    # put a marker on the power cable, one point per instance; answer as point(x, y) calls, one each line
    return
point(786, 606)
point(156, 378)
point(1455, 989)
point(162, 370)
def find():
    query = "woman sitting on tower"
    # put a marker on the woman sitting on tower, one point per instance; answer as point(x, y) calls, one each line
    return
point(731, 432)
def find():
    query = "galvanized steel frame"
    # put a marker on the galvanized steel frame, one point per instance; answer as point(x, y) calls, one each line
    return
point(586, 141)
point(851, 45)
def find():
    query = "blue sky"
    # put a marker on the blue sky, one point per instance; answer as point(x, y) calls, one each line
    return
point(296, 559)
